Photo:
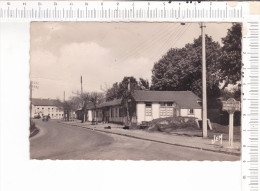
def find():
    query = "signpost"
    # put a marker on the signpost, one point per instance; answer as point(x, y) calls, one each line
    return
point(231, 105)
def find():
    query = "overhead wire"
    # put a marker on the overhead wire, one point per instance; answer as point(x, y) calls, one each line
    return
point(144, 45)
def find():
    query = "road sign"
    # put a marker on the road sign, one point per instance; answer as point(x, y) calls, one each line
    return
point(231, 105)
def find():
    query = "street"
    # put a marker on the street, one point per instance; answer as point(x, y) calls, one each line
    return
point(64, 142)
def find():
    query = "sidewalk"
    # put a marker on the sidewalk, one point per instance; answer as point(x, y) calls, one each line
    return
point(172, 139)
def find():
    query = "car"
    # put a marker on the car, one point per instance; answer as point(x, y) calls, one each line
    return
point(37, 117)
point(45, 118)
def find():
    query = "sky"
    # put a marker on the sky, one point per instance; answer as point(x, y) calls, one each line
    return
point(103, 53)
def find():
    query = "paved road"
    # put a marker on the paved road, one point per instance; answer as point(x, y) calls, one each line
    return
point(58, 141)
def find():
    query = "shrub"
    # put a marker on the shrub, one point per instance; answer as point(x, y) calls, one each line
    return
point(32, 126)
point(33, 129)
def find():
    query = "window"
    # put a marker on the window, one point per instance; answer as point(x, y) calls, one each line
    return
point(191, 112)
point(166, 109)
point(148, 109)
point(166, 104)
point(43, 108)
point(169, 104)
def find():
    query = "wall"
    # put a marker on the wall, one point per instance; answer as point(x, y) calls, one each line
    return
point(155, 110)
point(196, 113)
point(140, 112)
point(116, 117)
point(90, 115)
point(55, 112)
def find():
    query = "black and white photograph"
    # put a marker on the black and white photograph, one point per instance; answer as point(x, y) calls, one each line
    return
point(163, 91)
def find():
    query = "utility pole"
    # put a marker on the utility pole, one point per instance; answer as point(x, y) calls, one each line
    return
point(64, 112)
point(84, 106)
point(33, 85)
point(204, 83)
point(81, 85)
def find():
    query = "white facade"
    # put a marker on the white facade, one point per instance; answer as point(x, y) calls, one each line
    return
point(53, 111)
point(191, 113)
point(147, 111)
point(90, 117)
point(140, 112)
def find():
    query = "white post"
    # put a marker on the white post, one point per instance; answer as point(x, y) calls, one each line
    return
point(204, 83)
point(231, 117)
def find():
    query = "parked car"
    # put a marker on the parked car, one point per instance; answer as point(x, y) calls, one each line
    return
point(37, 117)
point(45, 118)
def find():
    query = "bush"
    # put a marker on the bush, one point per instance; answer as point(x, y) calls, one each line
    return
point(33, 129)
point(32, 126)
point(169, 124)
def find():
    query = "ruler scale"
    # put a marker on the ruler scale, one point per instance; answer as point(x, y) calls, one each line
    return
point(172, 12)
point(14, 10)
point(250, 133)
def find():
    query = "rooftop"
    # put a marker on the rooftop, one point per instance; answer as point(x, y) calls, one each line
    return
point(110, 103)
point(185, 99)
point(45, 102)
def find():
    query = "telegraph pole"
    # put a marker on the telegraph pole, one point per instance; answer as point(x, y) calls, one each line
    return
point(64, 112)
point(81, 85)
point(204, 83)
point(84, 109)
point(33, 85)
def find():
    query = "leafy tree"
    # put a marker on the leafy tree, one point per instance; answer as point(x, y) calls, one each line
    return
point(118, 90)
point(68, 107)
point(124, 90)
point(113, 92)
point(234, 92)
point(84, 99)
point(143, 84)
point(127, 87)
point(180, 69)
point(230, 60)
point(96, 98)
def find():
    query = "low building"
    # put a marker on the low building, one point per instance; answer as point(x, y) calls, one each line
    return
point(148, 105)
point(51, 107)
point(88, 112)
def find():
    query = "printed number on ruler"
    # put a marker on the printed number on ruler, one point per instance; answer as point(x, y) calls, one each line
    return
point(156, 11)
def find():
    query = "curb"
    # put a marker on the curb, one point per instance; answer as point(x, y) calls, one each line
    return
point(153, 140)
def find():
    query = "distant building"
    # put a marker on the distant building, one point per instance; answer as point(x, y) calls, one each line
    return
point(41, 107)
point(149, 105)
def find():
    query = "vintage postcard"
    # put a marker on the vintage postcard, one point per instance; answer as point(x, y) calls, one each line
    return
point(129, 95)
point(134, 91)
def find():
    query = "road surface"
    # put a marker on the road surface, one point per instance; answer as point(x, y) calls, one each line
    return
point(59, 141)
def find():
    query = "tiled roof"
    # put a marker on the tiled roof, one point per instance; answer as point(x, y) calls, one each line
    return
point(185, 99)
point(45, 102)
point(110, 103)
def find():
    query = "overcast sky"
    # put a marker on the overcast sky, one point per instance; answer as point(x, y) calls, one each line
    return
point(103, 53)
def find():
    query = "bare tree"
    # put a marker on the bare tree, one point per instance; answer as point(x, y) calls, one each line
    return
point(85, 98)
point(96, 98)
point(68, 106)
